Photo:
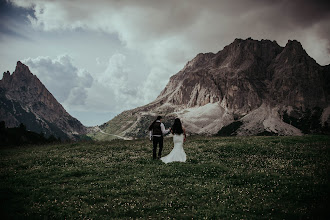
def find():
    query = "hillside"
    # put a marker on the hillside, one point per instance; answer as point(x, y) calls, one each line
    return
point(258, 85)
point(223, 178)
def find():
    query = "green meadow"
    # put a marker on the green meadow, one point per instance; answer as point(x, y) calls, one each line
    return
point(223, 178)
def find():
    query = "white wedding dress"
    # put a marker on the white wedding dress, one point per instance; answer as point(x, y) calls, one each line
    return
point(177, 153)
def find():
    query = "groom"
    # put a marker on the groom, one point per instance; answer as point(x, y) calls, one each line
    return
point(156, 131)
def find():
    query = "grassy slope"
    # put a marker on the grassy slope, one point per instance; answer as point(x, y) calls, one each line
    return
point(229, 178)
point(99, 136)
point(120, 123)
point(116, 126)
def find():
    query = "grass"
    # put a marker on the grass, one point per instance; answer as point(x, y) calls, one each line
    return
point(224, 177)
point(100, 136)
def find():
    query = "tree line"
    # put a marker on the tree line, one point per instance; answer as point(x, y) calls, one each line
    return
point(19, 136)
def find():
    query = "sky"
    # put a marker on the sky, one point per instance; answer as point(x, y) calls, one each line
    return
point(101, 57)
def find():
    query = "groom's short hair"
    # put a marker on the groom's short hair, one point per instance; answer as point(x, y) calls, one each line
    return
point(159, 117)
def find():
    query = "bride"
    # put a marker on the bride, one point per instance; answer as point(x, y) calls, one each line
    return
point(179, 136)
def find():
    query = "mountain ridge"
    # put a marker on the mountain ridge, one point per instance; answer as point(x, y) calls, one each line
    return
point(266, 87)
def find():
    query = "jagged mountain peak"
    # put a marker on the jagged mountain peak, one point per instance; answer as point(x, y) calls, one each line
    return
point(261, 85)
point(24, 99)
point(245, 43)
point(22, 70)
point(294, 48)
point(250, 45)
point(6, 75)
point(294, 44)
point(233, 54)
point(19, 65)
point(294, 65)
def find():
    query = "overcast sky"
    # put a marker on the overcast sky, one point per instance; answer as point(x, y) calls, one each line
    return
point(101, 57)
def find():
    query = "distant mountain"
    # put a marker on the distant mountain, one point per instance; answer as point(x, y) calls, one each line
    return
point(24, 99)
point(249, 88)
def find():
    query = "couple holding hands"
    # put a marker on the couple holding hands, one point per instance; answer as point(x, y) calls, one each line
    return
point(157, 131)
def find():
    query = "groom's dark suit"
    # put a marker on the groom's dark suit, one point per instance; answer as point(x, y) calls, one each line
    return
point(157, 132)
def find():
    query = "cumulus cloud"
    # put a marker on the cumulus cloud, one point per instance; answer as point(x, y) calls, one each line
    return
point(65, 81)
point(111, 90)
point(116, 79)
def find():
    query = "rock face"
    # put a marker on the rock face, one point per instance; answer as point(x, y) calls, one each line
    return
point(24, 99)
point(263, 86)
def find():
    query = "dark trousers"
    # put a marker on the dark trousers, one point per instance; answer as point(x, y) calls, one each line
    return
point(155, 141)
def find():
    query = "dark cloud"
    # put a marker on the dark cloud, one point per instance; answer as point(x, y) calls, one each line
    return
point(288, 14)
point(13, 19)
point(304, 16)
point(147, 20)
point(306, 12)
point(8, 10)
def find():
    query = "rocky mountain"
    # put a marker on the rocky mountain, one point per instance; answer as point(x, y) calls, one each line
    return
point(24, 99)
point(249, 88)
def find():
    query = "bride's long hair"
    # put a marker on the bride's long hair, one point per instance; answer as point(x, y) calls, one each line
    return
point(177, 127)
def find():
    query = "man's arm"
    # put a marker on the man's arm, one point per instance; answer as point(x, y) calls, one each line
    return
point(164, 131)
